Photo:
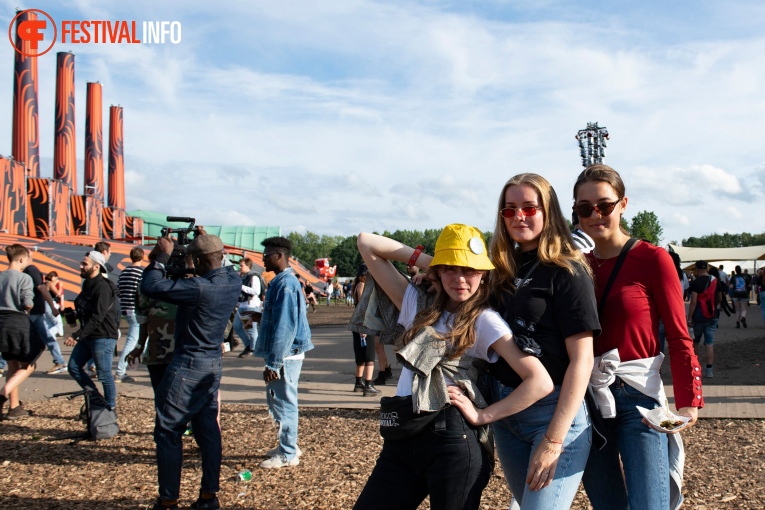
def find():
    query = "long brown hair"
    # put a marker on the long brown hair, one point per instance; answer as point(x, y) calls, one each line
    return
point(556, 246)
point(462, 334)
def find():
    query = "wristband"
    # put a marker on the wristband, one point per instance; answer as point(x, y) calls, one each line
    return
point(551, 441)
point(415, 255)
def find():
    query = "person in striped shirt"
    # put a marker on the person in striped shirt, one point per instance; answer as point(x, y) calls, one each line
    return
point(128, 283)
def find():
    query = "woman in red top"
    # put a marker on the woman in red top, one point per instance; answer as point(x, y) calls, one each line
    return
point(643, 292)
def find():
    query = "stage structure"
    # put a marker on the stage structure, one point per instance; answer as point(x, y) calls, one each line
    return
point(592, 144)
point(114, 214)
point(65, 150)
point(13, 198)
point(43, 207)
point(26, 129)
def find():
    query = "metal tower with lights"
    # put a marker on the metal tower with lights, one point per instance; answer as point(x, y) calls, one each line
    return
point(592, 144)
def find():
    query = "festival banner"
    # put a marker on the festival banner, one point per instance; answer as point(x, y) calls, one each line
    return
point(26, 129)
point(65, 147)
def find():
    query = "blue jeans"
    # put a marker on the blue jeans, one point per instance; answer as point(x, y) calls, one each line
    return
point(762, 303)
point(706, 328)
point(187, 393)
point(517, 437)
point(446, 462)
point(248, 336)
point(643, 454)
point(40, 323)
point(101, 350)
point(130, 341)
point(282, 400)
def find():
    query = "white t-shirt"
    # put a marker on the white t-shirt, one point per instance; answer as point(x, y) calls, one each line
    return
point(489, 328)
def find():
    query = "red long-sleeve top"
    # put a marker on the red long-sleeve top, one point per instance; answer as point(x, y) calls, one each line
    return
point(645, 291)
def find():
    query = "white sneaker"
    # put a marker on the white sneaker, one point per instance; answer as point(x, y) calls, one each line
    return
point(273, 452)
point(279, 461)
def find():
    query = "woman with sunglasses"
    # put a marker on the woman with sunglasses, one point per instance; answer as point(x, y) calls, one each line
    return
point(447, 459)
point(642, 291)
point(543, 289)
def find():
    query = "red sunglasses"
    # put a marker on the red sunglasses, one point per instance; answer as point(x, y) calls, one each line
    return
point(510, 212)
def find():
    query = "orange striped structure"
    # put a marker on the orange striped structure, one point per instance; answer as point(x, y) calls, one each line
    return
point(86, 215)
point(116, 160)
point(26, 128)
point(134, 227)
point(94, 152)
point(48, 208)
point(65, 147)
point(13, 198)
point(113, 225)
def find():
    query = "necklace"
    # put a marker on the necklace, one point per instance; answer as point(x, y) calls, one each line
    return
point(598, 262)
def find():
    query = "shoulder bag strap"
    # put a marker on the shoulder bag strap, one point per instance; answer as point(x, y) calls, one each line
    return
point(622, 255)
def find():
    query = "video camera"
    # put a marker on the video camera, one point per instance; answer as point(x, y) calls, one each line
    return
point(176, 266)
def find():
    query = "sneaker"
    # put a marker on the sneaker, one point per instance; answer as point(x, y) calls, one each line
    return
point(708, 373)
point(370, 390)
point(124, 379)
point(273, 452)
point(388, 372)
point(57, 369)
point(738, 325)
point(158, 505)
point(206, 504)
point(380, 381)
point(279, 461)
point(245, 352)
point(358, 387)
point(17, 412)
point(743, 321)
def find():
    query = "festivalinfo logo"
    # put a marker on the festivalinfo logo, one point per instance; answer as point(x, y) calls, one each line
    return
point(37, 32)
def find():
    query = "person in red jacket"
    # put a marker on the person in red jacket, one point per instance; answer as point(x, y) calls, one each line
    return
point(628, 356)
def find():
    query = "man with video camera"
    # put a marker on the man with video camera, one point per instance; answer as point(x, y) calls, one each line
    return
point(189, 389)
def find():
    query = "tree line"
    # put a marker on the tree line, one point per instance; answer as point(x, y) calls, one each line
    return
point(342, 251)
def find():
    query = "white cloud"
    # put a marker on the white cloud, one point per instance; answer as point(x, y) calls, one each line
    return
point(384, 115)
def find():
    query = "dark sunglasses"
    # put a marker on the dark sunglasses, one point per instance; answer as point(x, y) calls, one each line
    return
point(510, 212)
point(603, 208)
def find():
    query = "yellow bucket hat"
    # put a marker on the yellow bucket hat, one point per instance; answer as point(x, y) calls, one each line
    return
point(461, 245)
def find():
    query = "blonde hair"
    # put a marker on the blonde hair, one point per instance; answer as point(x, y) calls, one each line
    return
point(556, 246)
point(462, 334)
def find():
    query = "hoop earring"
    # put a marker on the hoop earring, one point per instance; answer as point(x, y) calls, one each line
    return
point(482, 280)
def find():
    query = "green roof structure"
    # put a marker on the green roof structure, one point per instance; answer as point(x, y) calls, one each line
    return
point(247, 237)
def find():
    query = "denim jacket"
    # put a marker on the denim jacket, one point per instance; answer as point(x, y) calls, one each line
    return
point(204, 304)
point(284, 326)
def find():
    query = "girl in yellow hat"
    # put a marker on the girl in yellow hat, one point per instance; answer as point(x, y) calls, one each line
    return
point(435, 439)
point(543, 289)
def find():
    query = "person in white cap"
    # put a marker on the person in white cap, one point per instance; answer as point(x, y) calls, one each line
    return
point(97, 337)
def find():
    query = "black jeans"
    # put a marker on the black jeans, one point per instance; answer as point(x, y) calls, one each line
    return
point(450, 465)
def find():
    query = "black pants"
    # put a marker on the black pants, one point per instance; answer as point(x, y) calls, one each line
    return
point(449, 465)
point(156, 373)
point(364, 354)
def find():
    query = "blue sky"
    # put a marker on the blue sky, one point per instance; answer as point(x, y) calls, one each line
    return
point(350, 115)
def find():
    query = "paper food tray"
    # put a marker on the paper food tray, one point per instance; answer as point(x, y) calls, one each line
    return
point(660, 414)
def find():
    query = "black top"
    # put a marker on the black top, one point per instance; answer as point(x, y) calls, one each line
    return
point(96, 309)
point(549, 306)
point(38, 306)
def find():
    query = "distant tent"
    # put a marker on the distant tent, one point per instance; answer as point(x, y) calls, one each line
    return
point(247, 237)
point(729, 255)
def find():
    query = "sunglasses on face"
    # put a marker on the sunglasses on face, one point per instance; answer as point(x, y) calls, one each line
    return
point(603, 208)
point(510, 212)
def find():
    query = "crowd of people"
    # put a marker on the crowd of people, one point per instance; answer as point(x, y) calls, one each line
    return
point(544, 346)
